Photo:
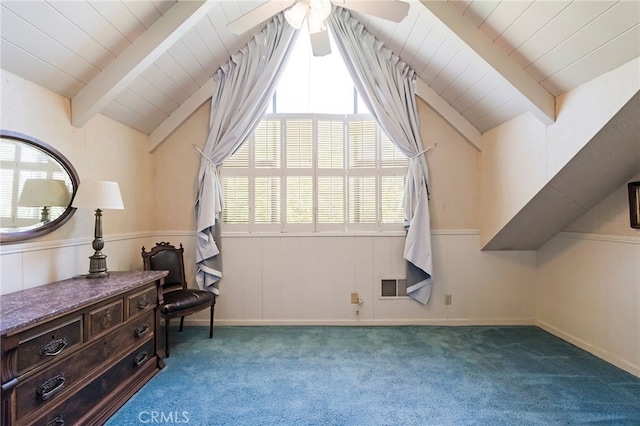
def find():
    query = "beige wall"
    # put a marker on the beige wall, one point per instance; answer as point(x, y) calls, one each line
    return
point(453, 173)
point(312, 276)
point(588, 283)
point(177, 163)
point(101, 150)
point(610, 216)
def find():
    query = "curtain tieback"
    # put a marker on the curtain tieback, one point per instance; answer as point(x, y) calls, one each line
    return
point(418, 154)
point(202, 153)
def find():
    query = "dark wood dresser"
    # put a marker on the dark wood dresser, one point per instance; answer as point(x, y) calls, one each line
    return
point(75, 351)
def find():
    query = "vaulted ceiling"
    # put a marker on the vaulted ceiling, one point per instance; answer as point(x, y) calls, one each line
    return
point(148, 63)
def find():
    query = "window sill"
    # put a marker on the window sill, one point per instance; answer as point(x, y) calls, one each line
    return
point(312, 234)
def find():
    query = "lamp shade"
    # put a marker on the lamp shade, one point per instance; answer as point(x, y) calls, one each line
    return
point(44, 193)
point(98, 195)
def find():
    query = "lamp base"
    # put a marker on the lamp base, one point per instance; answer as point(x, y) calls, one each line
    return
point(97, 266)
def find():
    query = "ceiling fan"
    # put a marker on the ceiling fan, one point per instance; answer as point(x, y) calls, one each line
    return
point(316, 13)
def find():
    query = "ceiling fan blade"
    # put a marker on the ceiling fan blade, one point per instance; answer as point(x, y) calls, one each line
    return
point(320, 44)
point(258, 15)
point(393, 10)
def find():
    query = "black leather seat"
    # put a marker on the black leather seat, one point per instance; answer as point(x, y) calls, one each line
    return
point(179, 300)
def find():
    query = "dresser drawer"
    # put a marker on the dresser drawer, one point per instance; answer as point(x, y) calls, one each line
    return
point(37, 347)
point(71, 412)
point(146, 300)
point(57, 380)
point(105, 317)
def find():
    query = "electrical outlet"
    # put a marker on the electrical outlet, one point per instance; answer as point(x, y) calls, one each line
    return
point(447, 299)
point(355, 299)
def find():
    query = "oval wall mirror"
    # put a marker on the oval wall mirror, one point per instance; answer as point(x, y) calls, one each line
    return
point(37, 185)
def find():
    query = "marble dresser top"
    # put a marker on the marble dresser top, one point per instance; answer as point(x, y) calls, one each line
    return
point(21, 309)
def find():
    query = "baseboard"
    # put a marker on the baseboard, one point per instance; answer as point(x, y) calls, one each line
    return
point(599, 352)
point(393, 322)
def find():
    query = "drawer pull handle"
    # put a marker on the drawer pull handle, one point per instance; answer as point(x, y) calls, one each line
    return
point(51, 387)
point(144, 303)
point(58, 421)
point(141, 358)
point(54, 348)
point(142, 329)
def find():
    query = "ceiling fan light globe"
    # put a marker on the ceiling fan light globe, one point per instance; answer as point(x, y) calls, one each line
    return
point(315, 24)
point(320, 8)
point(295, 15)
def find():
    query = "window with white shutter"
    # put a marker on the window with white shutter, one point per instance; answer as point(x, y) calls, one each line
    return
point(316, 162)
point(315, 173)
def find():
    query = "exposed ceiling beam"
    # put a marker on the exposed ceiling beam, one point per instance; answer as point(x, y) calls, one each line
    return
point(177, 117)
point(135, 59)
point(453, 117)
point(539, 102)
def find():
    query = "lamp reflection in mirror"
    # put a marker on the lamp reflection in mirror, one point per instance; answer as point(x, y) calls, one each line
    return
point(100, 196)
point(44, 193)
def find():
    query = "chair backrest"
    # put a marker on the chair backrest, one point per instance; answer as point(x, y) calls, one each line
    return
point(166, 257)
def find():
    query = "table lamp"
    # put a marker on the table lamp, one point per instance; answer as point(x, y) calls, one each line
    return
point(98, 195)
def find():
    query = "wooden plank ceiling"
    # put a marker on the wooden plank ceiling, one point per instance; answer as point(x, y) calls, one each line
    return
point(148, 63)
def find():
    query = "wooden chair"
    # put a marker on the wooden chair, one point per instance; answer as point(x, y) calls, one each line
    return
point(179, 300)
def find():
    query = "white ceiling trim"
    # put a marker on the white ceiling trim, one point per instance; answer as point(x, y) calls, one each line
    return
point(180, 115)
point(453, 117)
point(539, 102)
point(135, 59)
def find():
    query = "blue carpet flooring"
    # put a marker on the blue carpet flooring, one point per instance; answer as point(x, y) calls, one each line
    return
point(382, 376)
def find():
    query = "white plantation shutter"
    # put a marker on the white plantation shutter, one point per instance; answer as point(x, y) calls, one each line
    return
point(267, 200)
point(390, 155)
point(267, 144)
point(235, 187)
point(391, 194)
point(362, 144)
point(330, 135)
point(362, 200)
point(393, 164)
point(239, 159)
point(299, 199)
point(330, 200)
point(330, 173)
point(316, 172)
point(236, 199)
point(299, 140)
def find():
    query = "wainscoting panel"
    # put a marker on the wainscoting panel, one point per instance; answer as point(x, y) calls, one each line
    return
point(302, 280)
point(588, 293)
point(32, 264)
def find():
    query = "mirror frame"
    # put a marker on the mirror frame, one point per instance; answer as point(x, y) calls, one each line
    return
point(14, 237)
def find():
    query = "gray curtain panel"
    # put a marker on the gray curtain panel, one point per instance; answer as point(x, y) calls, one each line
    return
point(387, 86)
point(242, 91)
